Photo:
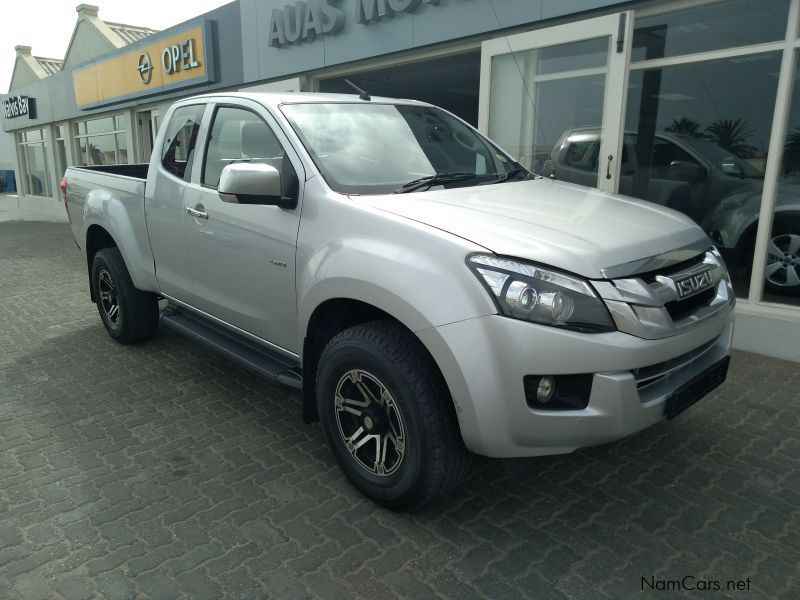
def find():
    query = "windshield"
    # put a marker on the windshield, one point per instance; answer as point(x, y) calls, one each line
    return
point(371, 148)
point(721, 158)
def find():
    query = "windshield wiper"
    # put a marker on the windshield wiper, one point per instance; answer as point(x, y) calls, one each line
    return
point(431, 180)
point(509, 175)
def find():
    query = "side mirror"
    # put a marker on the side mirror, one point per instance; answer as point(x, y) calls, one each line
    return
point(253, 183)
point(687, 171)
point(732, 166)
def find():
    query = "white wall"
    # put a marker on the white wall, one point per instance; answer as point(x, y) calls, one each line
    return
point(35, 208)
point(7, 158)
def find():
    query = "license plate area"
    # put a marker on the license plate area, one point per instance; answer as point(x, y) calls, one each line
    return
point(692, 391)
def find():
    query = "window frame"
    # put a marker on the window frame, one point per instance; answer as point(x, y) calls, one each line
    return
point(208, 137)
point(200, 134)
point(77, 136)
point(22, 145)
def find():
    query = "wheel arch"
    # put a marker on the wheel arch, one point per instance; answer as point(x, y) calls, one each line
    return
point(97, 238)
point(331, 317)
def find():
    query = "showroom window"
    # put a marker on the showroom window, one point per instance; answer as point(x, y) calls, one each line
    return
point(701, 95)
point(782, 265)
point(35, 165)
point(102, 141)
point(60, 146)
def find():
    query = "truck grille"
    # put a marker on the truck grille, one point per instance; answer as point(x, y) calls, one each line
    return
point(646, 376)
point(680, 309)
point(663, 302)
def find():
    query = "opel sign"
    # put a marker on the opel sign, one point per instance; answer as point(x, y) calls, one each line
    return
point(145, 68)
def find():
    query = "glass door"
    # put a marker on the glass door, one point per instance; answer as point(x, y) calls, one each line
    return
point(554, 98)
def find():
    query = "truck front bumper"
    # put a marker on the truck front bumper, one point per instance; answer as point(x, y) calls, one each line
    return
point(484, 361)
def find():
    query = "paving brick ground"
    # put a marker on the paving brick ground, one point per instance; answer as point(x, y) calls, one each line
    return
point(162, 471)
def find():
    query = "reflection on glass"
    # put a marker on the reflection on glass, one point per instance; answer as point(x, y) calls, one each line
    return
point(101, 125)
point(122, 149)
point(710, 27)
point(377, 148)
point(782, 269)
point(540, 97)
point(696, 147)
point(37, 172)
point(61, 158)
point(585, 54)
point(101, 149)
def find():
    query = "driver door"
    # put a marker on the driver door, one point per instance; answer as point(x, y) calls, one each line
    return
point(243, 255)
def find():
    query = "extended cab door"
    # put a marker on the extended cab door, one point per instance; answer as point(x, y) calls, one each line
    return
point(168, 177)
point(243, 255)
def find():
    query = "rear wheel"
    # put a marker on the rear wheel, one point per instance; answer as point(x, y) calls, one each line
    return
point(129, 315)
point(388, 417)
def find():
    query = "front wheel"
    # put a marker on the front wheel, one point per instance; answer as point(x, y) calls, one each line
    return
point(129, 315)
point(388, 417)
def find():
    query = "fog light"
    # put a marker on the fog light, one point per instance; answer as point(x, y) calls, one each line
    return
point(558, 392)
point(545, 389)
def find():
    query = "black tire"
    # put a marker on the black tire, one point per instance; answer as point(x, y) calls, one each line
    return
point(784, 237)
point(136, 315)
point(434, 459)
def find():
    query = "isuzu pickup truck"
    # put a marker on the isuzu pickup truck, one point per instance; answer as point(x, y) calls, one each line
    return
point(429, 296)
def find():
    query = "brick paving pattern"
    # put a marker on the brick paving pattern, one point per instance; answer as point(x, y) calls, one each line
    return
point(162, 471)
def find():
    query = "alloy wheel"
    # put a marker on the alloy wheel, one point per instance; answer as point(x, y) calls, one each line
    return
point(370, 423)
point(108, 297)
point(783, 260)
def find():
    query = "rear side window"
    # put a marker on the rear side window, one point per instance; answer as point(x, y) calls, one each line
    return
point(239, 135)
point(179, 145)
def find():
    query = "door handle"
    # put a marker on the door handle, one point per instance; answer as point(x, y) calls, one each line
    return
point(200, 214)
point(608, 166)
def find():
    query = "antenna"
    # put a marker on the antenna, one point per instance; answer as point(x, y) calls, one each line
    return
point(361, 93)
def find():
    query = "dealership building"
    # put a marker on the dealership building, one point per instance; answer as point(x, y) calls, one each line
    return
point(693, 104)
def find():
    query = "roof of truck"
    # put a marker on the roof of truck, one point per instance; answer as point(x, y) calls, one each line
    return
point(275, 99)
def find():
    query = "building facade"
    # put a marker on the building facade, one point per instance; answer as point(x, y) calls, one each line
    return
point(693, 104)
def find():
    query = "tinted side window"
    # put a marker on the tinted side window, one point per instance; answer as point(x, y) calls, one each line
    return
point(664, 153)
point(239, 135)
point(582, 152)
point(179, 144)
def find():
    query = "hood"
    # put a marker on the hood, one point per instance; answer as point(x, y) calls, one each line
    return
point(563, 225)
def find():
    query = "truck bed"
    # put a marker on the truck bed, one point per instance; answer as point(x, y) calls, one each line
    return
point(137, 171)
point(105, 199)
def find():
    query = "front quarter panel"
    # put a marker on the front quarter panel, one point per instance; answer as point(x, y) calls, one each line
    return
point(414, 272)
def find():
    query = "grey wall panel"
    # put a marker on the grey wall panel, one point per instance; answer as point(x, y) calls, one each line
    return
point(249, 14)
point(275, 62)
point(434, 23)
point(444, 21)
point(44, 107)
point(228, 64)
point(511, 13)
point(380, 37)
point(559, 8)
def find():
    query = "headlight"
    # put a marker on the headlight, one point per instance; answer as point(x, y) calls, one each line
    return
point(531, 293)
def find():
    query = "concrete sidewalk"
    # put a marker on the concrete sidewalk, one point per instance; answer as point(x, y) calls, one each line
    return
point(162, 471)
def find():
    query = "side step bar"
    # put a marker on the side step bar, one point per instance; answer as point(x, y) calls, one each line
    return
point(269, 365)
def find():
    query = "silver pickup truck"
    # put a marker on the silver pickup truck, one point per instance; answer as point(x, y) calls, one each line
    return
point(428, 295)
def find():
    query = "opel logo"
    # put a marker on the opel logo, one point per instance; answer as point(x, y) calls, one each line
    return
point(145, 68)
